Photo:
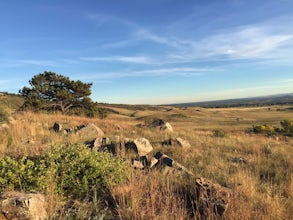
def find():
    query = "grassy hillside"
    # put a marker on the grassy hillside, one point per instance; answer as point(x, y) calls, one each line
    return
point(262, 186)
point(10, 102)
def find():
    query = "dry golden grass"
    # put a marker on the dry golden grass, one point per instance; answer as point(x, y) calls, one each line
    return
point(262, 187)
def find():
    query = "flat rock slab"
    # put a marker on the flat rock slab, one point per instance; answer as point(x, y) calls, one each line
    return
point(143, 146)
point(21, 206)
point(90, 131)
point(164, 162)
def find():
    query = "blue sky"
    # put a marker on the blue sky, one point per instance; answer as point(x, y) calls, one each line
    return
point(151, 51)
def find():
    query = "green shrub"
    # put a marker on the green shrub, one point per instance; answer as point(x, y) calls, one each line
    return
point(77, 171)
point(18, 174)
point(263, 129)
point(102, 113)
point(287, 126)
point(219, 133)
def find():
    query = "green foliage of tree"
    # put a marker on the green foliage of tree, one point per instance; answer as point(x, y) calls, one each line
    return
point(53, 91)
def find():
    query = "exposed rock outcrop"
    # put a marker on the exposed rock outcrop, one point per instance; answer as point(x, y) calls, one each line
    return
point(20, 206)
point(143, 146)
point(209, 195)
point(162, 125)
point(57, 127)
point(167, 164)
point(212, 196)
point(183, 143)
point(90, 131)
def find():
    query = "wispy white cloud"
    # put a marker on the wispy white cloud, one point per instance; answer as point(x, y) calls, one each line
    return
point(241, 43)
point(144, 34)
point(181, 71)
point(245, 42)
point(119, 44)
point(161, 72)
point(126, 59)
point(271, 40)
point(37, 62)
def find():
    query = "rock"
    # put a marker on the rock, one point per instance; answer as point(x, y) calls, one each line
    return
point(168, 142)
point(183, 143)
point(57, 127)
point(68, 130)
point(167, 127)
point(153, 162)
point(157, 123)
point(162, 125)
point(164, 162)
point(114, 145)
point(212, 196)
point(90, 131)
point(143, 146)
point(95, 144)
point(140, 162)
point(19, 206)
point(136, 164)
point(209, 196)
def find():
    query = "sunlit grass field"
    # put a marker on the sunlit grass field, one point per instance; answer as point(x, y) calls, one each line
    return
point(262, 188)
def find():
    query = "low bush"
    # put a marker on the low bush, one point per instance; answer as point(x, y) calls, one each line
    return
point(263, 129)
point(77, 172)
point(219, 133)
point(80, 172)
point(18, 174)
point(287, 126)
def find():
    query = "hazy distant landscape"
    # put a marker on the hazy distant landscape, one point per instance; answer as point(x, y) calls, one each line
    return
point(283, 99)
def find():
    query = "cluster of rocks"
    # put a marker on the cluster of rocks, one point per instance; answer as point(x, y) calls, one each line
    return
point(15, 205)
point(89, 130)
point(208, 194)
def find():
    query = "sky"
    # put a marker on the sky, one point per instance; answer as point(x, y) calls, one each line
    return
point(151, 51)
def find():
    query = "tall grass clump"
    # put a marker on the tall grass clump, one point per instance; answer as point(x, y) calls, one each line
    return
point(150, 196)
point(3, 115)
